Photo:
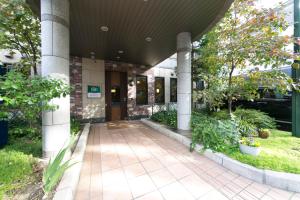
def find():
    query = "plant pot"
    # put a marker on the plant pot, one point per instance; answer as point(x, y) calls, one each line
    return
point(3, 133)
point(254, 151)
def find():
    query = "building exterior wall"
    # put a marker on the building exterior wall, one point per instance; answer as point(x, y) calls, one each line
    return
point(93, 74)
point(167, 74)
point(76, 83)
point(85, 71)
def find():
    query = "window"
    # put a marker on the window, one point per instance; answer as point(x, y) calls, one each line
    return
point(141, 90)
point(115, 95)
point(159, 90)
point(173, 90)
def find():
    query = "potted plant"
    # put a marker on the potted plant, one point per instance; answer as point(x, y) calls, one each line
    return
point(249, 146)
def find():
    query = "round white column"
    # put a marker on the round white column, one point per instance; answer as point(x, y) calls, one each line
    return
point(55, 63)
point(184, 78)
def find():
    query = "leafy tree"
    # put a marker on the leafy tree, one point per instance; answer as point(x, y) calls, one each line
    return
point(246, 36)
point(26, 97)
point(21, 31)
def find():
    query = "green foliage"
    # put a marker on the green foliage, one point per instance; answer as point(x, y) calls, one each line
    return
point(75, 126)
point(20, 29)
point(16, 164)
point(280, 152)
point(212, 133)
point(258, 119)
point(55, 170)
point(168, 118)
point(246, 36)
point(26, 97)
point(249, 119)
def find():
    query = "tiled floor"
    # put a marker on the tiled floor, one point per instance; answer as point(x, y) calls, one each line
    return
point(128, 160)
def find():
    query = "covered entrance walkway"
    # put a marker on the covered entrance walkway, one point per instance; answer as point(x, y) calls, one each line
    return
point(127, 160)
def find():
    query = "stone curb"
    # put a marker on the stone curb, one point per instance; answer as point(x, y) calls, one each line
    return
point(68, 184)
point(282, 180)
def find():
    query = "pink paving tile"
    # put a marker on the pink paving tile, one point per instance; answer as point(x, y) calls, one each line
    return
point(141, 186)
point(151, 196)
point(242, 182)
point(247, 196)
point(213, 195)
point(152, 165)
point(258, 190)
point(196, 186)
point(278, 194)
point(216, 171)
point(119, 191)
point(175, 191)
point(162, 177)
point(179, 170)
point(113, 177)
point(132, 152)
point(107, 165)
point(134, 170)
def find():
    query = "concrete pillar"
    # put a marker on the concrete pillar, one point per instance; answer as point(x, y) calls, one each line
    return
point(296, 73)
point(184, 77)
point(55, 64)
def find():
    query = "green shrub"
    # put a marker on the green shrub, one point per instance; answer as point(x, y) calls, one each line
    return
point(212, 133)
point(75, 126)
point(168, 118)
point(26, 97)
point(256, 118)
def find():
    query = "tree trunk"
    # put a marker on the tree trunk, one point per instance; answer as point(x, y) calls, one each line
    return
point(34, 69)
point(230, 105)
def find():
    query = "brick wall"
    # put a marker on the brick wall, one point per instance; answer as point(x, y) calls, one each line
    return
point(76, 83)
point(135, 111)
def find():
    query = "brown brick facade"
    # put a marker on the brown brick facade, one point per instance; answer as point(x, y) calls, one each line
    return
point(76, 84)
point(135, 111)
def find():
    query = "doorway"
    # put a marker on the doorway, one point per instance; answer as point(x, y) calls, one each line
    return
point(116, 95)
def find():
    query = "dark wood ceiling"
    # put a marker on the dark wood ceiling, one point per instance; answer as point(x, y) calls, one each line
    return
point(131, 21)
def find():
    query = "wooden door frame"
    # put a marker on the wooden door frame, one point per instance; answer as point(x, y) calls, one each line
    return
point(123, 95)
point(108, 96)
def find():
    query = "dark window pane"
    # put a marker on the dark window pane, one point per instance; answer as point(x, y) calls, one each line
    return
point(115, 94)
point(159, 90)
point(173, 90)
point(141, 90)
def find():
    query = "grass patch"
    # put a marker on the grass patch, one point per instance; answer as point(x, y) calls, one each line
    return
point(280, 152)
point(16, 164)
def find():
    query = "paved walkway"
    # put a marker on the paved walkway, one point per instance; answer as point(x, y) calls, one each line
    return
point(127, 160)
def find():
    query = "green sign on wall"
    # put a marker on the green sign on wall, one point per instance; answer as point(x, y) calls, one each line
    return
point(94, 91)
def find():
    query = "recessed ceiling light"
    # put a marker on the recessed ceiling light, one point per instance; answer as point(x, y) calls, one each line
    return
point(104, 28)
point(118, 57)
point(120, 51)
point(148, 39)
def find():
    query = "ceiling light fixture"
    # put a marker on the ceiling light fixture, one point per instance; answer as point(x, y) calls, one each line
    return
point(118, 57)
point(148, 39)
point(120, 51)
point(104, 28)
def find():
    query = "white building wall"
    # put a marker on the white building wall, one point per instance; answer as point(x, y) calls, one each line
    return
point(93, 73)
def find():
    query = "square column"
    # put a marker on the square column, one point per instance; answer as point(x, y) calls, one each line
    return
point(55, 64)
point(184, 81)
point(296, 73)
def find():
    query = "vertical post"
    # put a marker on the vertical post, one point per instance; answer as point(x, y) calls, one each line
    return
point(55, 64)
point(184, 88)
point(296, 72)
